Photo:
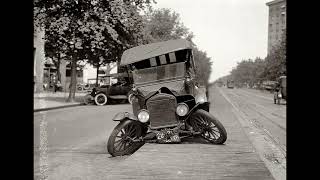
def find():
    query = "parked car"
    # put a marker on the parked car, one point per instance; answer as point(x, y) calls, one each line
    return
point(268, 85)
point(168, 104)
point(280, 92)
point(230, 84)
point(101, 95)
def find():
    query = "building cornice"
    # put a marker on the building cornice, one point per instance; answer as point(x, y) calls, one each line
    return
point(274, 2)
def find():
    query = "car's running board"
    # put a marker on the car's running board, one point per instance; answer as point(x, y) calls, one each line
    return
point(118, 97)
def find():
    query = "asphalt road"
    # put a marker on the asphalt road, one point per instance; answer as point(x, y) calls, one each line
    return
point(71, 143)
point(73, 140)
point(262, 112)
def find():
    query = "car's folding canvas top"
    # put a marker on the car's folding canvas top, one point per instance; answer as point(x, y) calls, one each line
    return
point(154, 49)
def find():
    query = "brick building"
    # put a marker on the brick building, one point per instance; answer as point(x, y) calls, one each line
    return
point(277, 22)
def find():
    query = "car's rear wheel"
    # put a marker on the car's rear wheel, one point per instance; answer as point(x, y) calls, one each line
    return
point(211, 129)
point(100, 99)
point(121, 139)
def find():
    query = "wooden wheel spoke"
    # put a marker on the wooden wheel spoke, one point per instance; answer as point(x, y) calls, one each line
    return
point(127, 128)
point(118, 144)
point(133, 133)
point(216, 130)
point(123, 132)
point(122, 144)
point(119, 140)
point(214, 135)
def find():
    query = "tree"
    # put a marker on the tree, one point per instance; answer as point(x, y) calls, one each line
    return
point(90, 28)
point(203, 66)
point(164, 24)
point(276, 61)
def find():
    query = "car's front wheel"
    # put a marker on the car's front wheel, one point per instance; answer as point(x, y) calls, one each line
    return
point(121, 141)
point(100, 99)
point(211, 128)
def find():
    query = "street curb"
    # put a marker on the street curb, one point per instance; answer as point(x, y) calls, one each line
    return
point(57, 107)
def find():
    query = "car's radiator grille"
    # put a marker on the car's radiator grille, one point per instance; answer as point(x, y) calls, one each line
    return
point(162, 109)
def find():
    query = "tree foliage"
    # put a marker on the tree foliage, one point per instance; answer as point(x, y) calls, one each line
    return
point(94, 30)
point(251, 72)
point(203, 66)
point(165, 24)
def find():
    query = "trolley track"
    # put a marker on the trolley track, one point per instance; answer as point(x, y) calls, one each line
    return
point(258, 114)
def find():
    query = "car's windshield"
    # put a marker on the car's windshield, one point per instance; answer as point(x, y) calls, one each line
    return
point(159, 73)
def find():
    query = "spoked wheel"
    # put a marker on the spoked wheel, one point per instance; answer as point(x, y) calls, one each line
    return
point(211, 129)
point(100, 99)
point(88, 99)
point(121, 139)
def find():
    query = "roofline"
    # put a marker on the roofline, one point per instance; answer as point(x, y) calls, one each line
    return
point(274, 2)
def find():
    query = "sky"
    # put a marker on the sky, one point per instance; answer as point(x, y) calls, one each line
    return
point(227, 30)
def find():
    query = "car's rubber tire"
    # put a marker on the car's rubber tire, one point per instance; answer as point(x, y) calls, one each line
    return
point(100, 99)
point(201, 120)
point(79, 88)
point(86, 87)
point(133, 129)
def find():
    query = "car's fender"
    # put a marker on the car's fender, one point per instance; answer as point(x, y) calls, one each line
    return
point(123, 116)
point(201, 105)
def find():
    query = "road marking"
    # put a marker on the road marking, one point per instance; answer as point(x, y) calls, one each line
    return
point(270, 154)
point(271, 112)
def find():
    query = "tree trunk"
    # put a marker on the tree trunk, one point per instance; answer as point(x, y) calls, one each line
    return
point(58, 69)
point(73, 83)
point(98, 66)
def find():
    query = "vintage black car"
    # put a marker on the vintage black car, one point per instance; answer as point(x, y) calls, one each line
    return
point(119, 91)
point(230, 84)
point(280, 92)
point(168, 104)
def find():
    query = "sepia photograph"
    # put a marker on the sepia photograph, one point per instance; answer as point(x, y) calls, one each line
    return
point(159, 89)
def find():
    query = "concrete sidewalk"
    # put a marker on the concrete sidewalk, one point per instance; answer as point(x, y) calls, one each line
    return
point(47, 100)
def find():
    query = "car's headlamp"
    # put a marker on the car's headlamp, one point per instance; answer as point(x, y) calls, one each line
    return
point(182, 109)
point(143, 116)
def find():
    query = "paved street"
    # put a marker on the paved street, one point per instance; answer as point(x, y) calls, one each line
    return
point(71, 143)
